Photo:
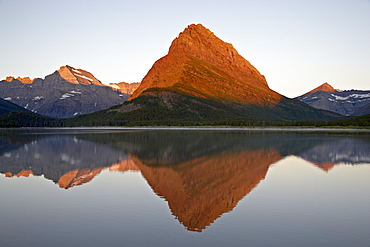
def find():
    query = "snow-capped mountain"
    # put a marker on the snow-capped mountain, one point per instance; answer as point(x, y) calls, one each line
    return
point(347, 103)
point(65, 93)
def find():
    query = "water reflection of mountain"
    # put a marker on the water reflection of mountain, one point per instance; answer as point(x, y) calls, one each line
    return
point(66, 160)
point(201, 174)
point(200, 190)
point(344, 150)
point(55, 154)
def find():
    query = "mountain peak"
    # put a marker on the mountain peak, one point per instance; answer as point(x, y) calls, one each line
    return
point(205, 66)
point(326, 87)
point(195, 31)
point(24, 80)
point(78, 76)
point(199, 42)
point(195, 36)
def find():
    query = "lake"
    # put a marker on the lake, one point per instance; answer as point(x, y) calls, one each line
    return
point(184, 187)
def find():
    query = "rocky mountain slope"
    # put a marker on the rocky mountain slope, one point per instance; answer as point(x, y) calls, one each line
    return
point(207, 67)
point(126, 88)
point(347, 103)
point(65, 93)
point(6, 106)
point(205, 78)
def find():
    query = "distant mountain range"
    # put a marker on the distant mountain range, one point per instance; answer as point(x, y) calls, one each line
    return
point(65, 93)
point(347, 103)
point(202, 78)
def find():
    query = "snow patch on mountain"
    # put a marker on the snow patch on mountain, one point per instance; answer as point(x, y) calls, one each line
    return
point(70, 94)
point(114, 86)
point(356, 96)
point(345, 102)
point(75, 70)
point(38, 98)
point(84, 77)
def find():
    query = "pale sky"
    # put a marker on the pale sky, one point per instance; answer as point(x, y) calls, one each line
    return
point(296, 44)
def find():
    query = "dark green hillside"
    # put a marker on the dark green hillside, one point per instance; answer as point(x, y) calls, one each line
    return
point(361, 121)
point(161, 107)
point(7, 106)
point(169, 106)
point(26, 119)
point(111, 117)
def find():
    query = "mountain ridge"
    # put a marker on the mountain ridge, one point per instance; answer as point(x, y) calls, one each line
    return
point(205, 71)
point(346, 102)
point(124, 87)
point(7, 106)
point(78, 76)
point(200, 60)
point(63, 94)
point(326, 87)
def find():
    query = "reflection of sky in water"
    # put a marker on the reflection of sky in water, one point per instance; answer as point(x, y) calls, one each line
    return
point(296, 203)
point(300, 205)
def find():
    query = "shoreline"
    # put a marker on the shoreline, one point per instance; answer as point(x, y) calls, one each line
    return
point(195, 128)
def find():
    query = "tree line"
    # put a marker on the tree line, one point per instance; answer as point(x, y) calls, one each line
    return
point(26, 119)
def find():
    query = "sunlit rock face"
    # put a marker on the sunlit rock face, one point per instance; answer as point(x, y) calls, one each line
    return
point(24, 80)
point(204, 78)
point(201, 64)
point(66, 93)
point(347, 103)
point(78, 76)
point(200, 190)
point(126, 88)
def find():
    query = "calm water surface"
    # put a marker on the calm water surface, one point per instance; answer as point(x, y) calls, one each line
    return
point(184, 188)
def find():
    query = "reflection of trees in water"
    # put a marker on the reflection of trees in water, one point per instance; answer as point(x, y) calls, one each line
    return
point(201, 174)
point(55, 153)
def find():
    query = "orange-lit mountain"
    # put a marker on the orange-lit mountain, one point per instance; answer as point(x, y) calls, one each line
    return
point(24, 80)
point(203, 78)
point(200, 190)
point(78, 76)
point(207, 67)
point(124, 87)
point(326, 87)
